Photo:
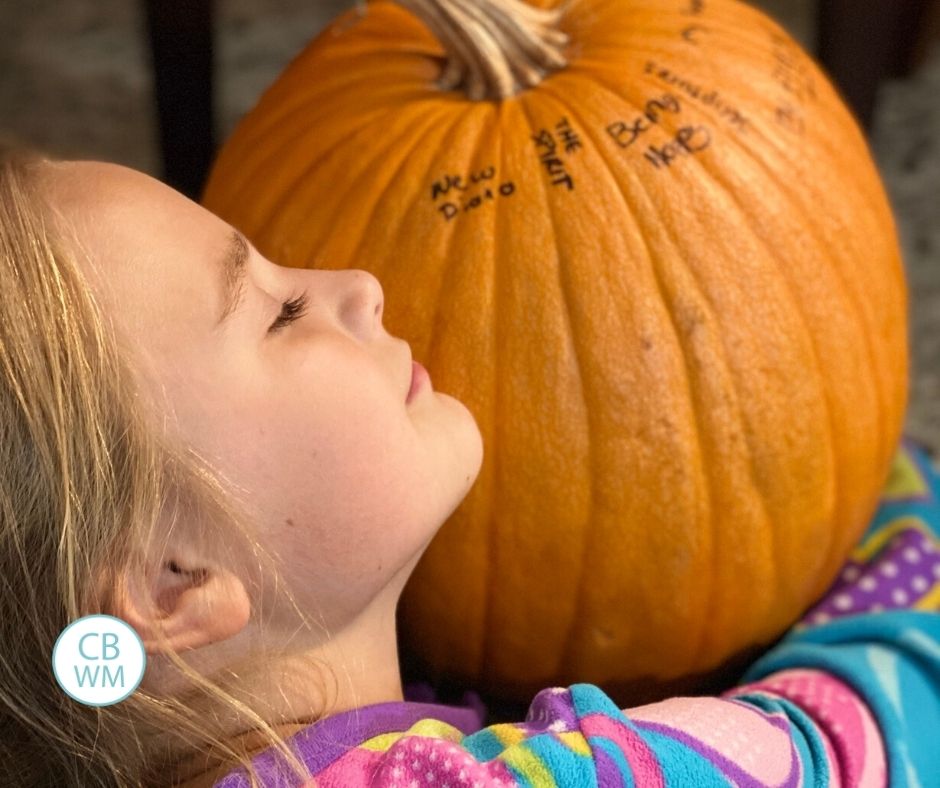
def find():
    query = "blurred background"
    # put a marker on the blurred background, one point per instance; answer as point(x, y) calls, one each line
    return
point(85, 79)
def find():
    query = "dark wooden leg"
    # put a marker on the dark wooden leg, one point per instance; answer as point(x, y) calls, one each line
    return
point(862, 42)
point(180, 37)
point(928, 35)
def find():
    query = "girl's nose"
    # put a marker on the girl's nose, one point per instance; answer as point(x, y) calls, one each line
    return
point(362, 303)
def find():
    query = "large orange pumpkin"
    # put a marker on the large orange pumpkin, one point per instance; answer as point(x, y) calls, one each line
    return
point(652, 255)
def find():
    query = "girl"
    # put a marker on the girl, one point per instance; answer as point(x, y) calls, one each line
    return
point(224, 453)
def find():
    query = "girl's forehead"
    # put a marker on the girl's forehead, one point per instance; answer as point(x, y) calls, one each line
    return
point(127, 223)
point(149, 252)
point(97, 197)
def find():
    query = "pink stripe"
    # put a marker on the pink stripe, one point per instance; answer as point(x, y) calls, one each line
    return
point(854, 747)
point(643, 762)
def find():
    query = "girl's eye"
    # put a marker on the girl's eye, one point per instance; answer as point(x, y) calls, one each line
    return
point(290, 311)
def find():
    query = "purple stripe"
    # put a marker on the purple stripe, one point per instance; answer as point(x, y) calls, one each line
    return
point(608, 773)
point(728, 767)
point(778, 719)
point(322, 742)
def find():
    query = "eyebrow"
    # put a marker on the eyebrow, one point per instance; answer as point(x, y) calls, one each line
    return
point(234, 265)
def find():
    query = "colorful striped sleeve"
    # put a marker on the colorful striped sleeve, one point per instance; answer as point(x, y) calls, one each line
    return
point(850, 697)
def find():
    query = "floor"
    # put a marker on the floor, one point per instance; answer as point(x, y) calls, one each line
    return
point(74, 78)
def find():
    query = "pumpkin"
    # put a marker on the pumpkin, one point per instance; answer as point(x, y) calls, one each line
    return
point(645, 243)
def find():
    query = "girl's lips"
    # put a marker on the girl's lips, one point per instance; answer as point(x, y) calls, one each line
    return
point(419, 379)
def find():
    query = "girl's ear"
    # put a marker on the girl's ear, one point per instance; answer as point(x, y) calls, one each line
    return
point(192, 603)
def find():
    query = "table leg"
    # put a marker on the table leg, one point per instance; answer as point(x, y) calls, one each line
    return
point(861, 43)
point(180, 38)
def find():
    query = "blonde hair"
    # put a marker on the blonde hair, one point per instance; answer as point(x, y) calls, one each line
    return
point(85, 481)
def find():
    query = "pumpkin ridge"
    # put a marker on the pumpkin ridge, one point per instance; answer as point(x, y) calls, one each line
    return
point(490, 118)
point(564, 658)
point(714, 175)
point(489, 587)
point(714, 538)
point(572, 643)
point(713, 534)
point(770, 521)
point(412, 136)
point(267, 215)
point(851, 300)
point(712, 113)
point(617, 188)
point(826, 399)
point(276, 112)
point(425, 352)
point(598, 38)
point(759, 493)
point(854, 306)
point(460, 116)
point(243, 176)
point(286, 113)
point(796, 306)
point(840, 156)
point(427, 132)
point(591, 76)
point(773, 146)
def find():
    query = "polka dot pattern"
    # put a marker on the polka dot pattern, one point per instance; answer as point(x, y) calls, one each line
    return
point(420, 762)
point(905, 570)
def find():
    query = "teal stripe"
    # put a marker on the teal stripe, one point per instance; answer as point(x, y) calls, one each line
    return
point(616, 754)
point(682, 766)
point(804, 734)
point(483, 745)
point(889, 512)
point(591, 699)
point(566, 766)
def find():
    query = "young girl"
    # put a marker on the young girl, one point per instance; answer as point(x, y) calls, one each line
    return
point(223, 453)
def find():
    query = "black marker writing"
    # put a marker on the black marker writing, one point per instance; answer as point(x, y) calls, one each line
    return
point(625, 134)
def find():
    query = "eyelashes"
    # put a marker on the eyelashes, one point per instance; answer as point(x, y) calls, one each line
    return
point(291, 310)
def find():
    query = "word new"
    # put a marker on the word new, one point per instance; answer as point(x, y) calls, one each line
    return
point(452, 208)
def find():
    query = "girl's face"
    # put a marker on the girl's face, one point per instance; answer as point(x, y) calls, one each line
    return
point(308, 418)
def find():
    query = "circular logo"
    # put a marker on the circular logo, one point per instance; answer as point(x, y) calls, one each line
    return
point(98, 660)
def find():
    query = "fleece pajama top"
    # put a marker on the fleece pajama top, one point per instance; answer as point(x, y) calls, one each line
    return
point(850, 696)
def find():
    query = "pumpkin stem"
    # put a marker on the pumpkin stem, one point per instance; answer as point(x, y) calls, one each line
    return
point(494, 48)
